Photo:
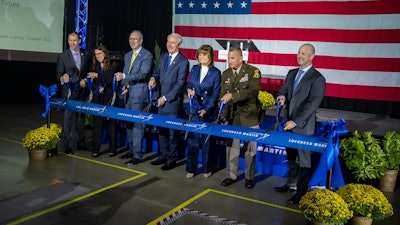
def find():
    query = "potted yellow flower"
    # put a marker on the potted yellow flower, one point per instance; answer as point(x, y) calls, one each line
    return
point(38, 141)
point(322, 206)
point(266, 99)
point(366, 202)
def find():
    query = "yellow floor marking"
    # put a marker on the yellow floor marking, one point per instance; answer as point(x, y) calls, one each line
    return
point(90, 194)
point(201, 194)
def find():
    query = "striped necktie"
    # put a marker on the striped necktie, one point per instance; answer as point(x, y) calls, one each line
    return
point(77, 60)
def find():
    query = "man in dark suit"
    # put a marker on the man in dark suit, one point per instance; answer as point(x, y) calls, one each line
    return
point(170, 77)
point(72, 67)
point(135, 76)
point(302, 92)
point(239, 89)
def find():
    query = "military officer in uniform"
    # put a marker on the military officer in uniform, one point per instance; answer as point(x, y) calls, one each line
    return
point(239, 90)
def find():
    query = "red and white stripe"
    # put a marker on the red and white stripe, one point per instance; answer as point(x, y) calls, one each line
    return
point(357, 42)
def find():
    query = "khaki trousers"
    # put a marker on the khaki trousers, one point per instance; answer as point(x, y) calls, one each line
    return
point(232, 157)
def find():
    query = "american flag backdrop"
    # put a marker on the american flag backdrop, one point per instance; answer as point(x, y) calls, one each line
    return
point(357, 42)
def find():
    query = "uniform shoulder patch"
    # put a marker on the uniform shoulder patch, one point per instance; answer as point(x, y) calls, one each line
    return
point(256, 74)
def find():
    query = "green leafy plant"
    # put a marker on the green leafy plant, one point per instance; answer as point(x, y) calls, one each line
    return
point(391, 149)
point(88, 120)
point(42, 138)
point(157, 52)
point(326, 206)
point(365, 200)
point(363, 155)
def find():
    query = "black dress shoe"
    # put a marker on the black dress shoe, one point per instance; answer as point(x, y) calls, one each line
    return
point(169, 166)
point(69, 151)
point(126, 156)
point(285, 188)
point(295, 199)
point(95, 155)
point(249, 183)
point(133, 162)
point(158, 162)
point(227, 182)
point(111, 154)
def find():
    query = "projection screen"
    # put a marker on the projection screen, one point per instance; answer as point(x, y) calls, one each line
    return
point(31, 30)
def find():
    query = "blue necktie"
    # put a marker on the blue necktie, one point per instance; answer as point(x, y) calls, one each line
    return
point(298, 78)
point(168, 62)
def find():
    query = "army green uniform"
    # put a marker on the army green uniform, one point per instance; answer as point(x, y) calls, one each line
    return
point(243, 110)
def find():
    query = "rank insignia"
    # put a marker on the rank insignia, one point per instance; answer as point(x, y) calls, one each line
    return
point(256, 74)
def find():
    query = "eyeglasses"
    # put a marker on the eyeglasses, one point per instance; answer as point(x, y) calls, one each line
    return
point(133, 39)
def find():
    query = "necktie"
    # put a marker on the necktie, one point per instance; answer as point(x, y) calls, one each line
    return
point(168, 62)
point(77, 60)
point(298, 78)
point(235, 74)
point(132, 60)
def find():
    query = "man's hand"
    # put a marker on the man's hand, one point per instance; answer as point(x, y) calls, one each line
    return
point(289, 125)
point(160, 102)
point(152, 83)
point(227, 97)
point(281, 100)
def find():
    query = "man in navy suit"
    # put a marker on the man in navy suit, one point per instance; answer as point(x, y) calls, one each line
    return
point(72, 67)
point(302, 92)
point(170, 77)
point(135, 76)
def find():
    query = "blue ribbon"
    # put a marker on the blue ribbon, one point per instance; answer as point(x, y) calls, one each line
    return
point(153, 102)
point(221, 108)
point(330, 158)
point(191, 104)
point(285, 139)
point(120, 90)
point(114, 84)
point(89, 81)
point(47, 92)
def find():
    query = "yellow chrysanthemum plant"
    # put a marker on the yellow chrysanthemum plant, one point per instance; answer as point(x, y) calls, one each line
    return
point(266, 99)
point(366, 201)
point(42, 138)
point(323, 205)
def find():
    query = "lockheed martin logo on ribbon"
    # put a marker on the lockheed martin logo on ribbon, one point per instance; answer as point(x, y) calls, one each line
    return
point(285, 139)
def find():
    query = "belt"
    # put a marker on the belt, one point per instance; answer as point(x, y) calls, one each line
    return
point(137, 82)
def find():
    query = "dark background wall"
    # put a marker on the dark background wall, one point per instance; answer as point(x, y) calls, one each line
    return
point(110, 23)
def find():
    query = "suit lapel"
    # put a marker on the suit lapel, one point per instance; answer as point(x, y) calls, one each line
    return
point(305, 78)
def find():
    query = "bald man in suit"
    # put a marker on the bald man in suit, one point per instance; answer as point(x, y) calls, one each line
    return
point(170, 78)
point(303, 93)
point(135, 75)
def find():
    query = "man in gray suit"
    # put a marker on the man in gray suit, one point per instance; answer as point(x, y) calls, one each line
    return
point(135, 76)
point(170, 78)
point(302, 92)
point(72, 67)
